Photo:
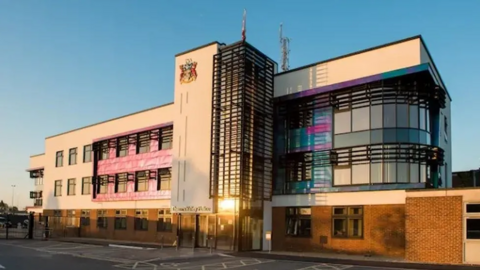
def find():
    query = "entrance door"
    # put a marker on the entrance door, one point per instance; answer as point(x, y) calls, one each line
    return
point(472, 233)
point(187, 230)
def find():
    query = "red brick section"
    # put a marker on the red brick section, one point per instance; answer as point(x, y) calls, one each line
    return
point(384, 232)
point(434, 229)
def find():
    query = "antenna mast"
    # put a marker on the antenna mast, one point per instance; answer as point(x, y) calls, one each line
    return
point(285, 50)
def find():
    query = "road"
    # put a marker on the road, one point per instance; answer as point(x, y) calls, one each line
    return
point(51, 255)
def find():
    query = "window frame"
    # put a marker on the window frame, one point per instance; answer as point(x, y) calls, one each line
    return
point(297, 216)
point(89, 183)
point(348, 217)
point(57, 184)
point(122, 147)
point(143, 142)
point(85, 218)
point(164, 175)
point(141, 221)
point(163, 215)
point(103, 184)
point(87, 153)
point(59, 159)
point(165, 138)
point(137, 180)
point(120, 182)
point(72, 156)
point(104, 150)
point(71, 188)
point(120, 216)
point(102, 219)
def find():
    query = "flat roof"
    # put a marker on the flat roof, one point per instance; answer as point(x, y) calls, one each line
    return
point(198, 48)
point(116, 118)
point(372, 49)
point(37, 155)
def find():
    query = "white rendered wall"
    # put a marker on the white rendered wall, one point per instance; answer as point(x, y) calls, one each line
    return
point(192, 134)
point(84, 136)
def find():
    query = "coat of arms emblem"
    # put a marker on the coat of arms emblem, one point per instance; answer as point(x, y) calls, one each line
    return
point(188, 71)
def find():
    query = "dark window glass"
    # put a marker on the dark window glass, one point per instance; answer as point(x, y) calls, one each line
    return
point(299, 221)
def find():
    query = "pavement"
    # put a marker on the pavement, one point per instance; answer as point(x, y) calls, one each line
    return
point(53, 255)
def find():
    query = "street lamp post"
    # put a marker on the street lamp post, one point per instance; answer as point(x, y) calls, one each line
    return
point(13, 196)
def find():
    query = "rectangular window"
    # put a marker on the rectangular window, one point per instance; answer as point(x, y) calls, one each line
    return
point(58, 188)
point(361, 119)
point(85, 218)
point(87, 153)
point(141, 181)
point(360, 174)
point(121, 183)
point(342, 121)
point(122, 147)
point(121, 220)
point(72, 156)
point(103, 181)
point(347, 222)
point(445, 127)
point(342, 175)
point(86, 185)
point(376, 115)
point(164, 223)
point(299, 166)
point(164, 179)
point(473, 228)
point(166, 138)
point(71, 219)
point(102, 220)
point(402, 115)
point(104, 150)
point(143, 142)
point(299, 221)
point(59, 159)
point(71, 187)
point(389, 115)
point(141, 220)
point(413, 116)
point(422, 119)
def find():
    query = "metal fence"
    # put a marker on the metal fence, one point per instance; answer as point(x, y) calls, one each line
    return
point(16, 226)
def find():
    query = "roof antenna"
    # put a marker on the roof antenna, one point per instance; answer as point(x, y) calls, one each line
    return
point(285, 50)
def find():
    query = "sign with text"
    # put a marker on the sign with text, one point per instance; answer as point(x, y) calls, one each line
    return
point(268, 235)
point(191, 209)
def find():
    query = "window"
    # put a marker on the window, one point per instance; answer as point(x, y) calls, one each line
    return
point(103, 182)
point(121, 220)
point(164, 179)
point(473, 228)
point(102, 221)
point(376, 114)
point(299, 221)
point(141, 181)
point(361, 119)
point(104, 150)
point(143, 142)
point(72, 156)
point(402, 115)
point(71, 187)
point(422, 119)
point(85, 218)
point(87, 153)
point(58, 188)
point(121, 183)
point(299, 166)
point(164, 223)
point(389, 115)
point(347, 222)
point(445, 127)
point(39, 181)
point(71, 220)
point(141, 220)
point(413, 116)
point(59, 159)
point(361, 173)
point(86, 185)
point(122, 147)
point(166, 138)
point(342, 121)
point(342, 175)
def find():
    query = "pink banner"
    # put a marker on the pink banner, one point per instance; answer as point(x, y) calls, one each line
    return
point(131, 195)
point(132, 162)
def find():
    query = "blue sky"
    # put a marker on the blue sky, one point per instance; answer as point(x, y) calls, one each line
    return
point(66, 64)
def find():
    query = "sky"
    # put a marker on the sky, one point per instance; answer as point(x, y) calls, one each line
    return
point(67, 64)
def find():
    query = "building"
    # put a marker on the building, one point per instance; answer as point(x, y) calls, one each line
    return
point(466, 179)
point(330, 153)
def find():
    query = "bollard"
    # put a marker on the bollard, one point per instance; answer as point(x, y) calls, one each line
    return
point(210, 244)
point(161, 242)
point(177, 243)
point(193, 244)
point(6, 226)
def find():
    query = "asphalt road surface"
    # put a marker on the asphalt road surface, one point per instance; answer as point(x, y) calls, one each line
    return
point(51, 255)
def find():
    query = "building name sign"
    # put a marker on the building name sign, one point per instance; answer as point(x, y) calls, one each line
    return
point(191, 209)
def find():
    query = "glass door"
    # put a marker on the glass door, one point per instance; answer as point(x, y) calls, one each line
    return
point(187, 230)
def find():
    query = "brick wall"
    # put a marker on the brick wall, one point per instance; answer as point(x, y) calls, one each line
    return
point(130, 234)
point(384, 232)
point(434, 229)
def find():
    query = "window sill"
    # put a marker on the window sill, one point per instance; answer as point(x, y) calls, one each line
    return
point(141, 230)
point(347, 238)
point(71, 194)
point(120, 229)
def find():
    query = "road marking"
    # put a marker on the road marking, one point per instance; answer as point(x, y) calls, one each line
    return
point(2, 267)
